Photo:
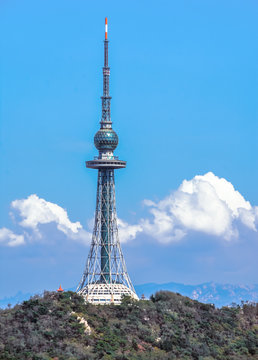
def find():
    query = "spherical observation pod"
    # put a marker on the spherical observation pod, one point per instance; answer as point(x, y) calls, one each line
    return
point(106, 139)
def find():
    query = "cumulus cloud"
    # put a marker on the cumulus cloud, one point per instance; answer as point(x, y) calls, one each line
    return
point(128, 232)
point(34, 213)
point(207, 204)
point(9, 238)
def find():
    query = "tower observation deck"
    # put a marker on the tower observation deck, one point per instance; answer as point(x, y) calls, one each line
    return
point(105, 278)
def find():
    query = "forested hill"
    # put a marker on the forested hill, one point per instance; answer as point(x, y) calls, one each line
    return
point(169, 326)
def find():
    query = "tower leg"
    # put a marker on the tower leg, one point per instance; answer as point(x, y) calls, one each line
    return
point(105, 279)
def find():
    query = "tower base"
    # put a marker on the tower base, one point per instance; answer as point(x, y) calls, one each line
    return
point(103, 293)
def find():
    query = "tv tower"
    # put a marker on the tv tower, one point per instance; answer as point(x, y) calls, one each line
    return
point(105, 278)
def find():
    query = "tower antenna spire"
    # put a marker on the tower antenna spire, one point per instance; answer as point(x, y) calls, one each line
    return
point(106, 45)
point(106, 28)
point(106, 119)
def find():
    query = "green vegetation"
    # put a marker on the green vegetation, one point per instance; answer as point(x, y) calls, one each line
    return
point(169, 326)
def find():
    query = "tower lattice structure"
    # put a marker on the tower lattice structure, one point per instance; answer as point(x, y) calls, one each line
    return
point(105, 278)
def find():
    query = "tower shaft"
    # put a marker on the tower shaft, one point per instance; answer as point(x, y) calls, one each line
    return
point(106, 184)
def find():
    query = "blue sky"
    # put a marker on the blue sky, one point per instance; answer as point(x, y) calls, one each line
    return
point(184, 88)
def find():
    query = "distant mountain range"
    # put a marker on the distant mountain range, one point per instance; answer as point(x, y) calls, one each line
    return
point(212, 293)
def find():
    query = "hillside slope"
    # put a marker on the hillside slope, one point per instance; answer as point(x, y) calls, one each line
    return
point(169, 326)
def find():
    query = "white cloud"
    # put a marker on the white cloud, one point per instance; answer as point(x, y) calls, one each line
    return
point(207, 204)
point(128, 232)
point(7, 237)
point(35, 211)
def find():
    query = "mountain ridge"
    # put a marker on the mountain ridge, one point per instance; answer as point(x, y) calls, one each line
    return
point(209, 292)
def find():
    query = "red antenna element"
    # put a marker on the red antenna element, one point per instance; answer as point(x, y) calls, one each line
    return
point(106, 28)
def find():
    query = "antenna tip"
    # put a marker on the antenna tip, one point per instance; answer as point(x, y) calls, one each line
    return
point(106, 28)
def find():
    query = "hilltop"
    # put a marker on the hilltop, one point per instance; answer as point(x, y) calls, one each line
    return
point(218, 294)
point(168, 326)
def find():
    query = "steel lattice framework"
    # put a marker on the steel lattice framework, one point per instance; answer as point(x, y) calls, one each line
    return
point(105, 278)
